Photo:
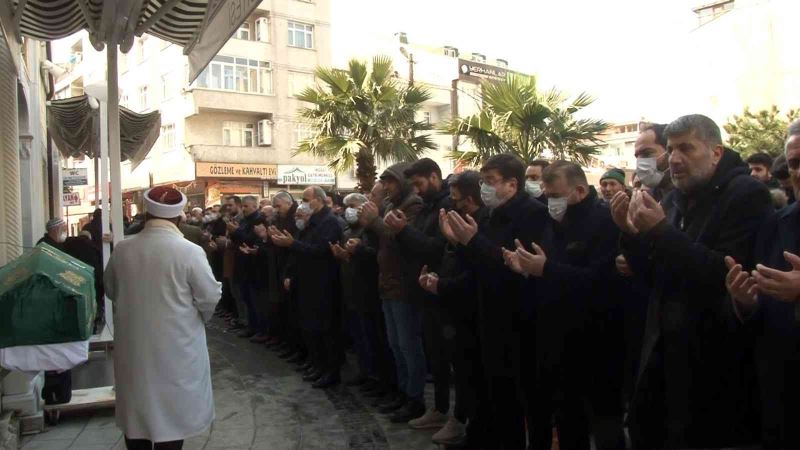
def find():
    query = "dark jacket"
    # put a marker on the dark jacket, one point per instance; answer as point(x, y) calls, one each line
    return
point(695, 381)
point(51, 242)
point(315, 272)
point(499, 289)
point(457, 281)
point(278, 258)
point(192, 233)
point(776, 327)
point(580, 265)
point(398, 274)
point(246, 269)
point(359, 275)
point(421, 239)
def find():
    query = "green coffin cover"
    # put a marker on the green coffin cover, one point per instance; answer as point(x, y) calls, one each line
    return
point(46, 297)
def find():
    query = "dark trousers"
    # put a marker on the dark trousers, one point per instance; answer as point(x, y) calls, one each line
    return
point(276, 319)
point(438, 327)
point(364, 334)
point(507, 417)
point(294, 335)
point(324, 350)
point(384, 359)
point(142, 444)
point(227, 301)
point(253, 297)
point(472, 404)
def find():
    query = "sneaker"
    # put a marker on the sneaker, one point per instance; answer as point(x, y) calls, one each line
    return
point(432, 419)
point(453, 433)
point(412, 410)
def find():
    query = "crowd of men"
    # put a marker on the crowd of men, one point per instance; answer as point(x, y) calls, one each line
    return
point(668, 309)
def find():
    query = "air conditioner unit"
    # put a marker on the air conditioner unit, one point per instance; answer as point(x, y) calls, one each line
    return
point(265, 132)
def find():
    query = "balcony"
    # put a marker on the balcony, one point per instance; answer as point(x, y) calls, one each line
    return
point(210, 100)
point(247, 155)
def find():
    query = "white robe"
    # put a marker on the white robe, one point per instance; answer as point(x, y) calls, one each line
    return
point(163, 291)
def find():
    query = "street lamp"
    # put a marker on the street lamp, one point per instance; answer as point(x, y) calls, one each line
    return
point(410, 57)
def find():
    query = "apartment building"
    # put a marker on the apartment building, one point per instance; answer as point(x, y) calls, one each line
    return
point(233, 129)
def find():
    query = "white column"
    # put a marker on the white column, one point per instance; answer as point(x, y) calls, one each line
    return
point(114, 150)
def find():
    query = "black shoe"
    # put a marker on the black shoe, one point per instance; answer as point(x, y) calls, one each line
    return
point(370, 385)
point(282, 347)
point(395, 404)
point(376, 394)
point(309, 371)
point(236, 327)
point(412, 410)
point(288, 353)
point(313, 376)
point(328, 381)
point(298, 358)
point(304, 367)
point(359, 380)
point(246, 333)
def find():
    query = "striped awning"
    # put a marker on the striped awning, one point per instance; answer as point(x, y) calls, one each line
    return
point(201, 27)
point(75, 128)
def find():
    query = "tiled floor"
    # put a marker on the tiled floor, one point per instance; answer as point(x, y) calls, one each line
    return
point(261, 404)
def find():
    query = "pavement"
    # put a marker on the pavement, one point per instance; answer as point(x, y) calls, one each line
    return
point(261, 404)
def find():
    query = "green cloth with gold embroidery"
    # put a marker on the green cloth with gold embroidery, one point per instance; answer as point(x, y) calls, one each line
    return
point(46, 297)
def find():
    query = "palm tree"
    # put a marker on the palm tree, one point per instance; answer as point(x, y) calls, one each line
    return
point(363, 116)
point(516, 118)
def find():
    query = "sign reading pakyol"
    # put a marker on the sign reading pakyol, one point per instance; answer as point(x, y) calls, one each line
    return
point(75, 177)
point(321, 175)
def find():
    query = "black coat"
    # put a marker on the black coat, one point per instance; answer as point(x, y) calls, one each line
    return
point(359, 275)
point(776, 327)
point(279, 259)
point(574, 289)
point(695, 383)
point(315, 272)
point(499, 289)
point(247, 269)
point(421, 239)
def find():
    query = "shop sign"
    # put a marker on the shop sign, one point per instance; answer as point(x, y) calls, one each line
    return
point(75, 177)
point(320, 175)
point(475, 71)
point(236, 171)
point(71, 199)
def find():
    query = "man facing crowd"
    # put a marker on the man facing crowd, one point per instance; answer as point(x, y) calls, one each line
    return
point(695, 384)
point(533, 179)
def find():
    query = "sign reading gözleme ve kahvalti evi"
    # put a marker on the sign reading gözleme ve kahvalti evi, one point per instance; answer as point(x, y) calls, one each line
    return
point(236, 171)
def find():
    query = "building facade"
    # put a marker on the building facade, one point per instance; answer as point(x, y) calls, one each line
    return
point(233, 129)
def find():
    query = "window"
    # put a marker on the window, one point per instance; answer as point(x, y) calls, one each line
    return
point(143, 97)
point(166, 86)
point(139, 49)
point(426, 117)
point(243, 32)
point(301, 132)
point(299, 81)
point(451, 52)
point(710, 12)
point(124, 101)
point(237, 74)
point(237, 134)
point(301, 35)
point(168, 136)
point(262, 29)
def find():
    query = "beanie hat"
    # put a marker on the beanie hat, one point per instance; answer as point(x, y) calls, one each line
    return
point(614, 174)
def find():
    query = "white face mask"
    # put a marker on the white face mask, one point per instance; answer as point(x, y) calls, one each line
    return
point(304, 208)
point(300, 223)
point(489, 196)
point(557, 207)
point(534, 188)
point(351, 215)
point(62, 237)
point(648, 173)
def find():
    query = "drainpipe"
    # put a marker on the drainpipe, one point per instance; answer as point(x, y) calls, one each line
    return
point(50, 160)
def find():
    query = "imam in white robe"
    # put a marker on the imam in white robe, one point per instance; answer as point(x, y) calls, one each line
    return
point(163, 292)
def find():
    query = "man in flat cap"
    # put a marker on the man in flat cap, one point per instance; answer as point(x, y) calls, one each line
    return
point(163, 291)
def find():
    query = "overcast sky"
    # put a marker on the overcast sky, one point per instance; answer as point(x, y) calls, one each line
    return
point(617, 50)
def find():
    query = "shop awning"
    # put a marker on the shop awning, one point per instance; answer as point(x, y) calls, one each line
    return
point(75, 128)
point(201, 27)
